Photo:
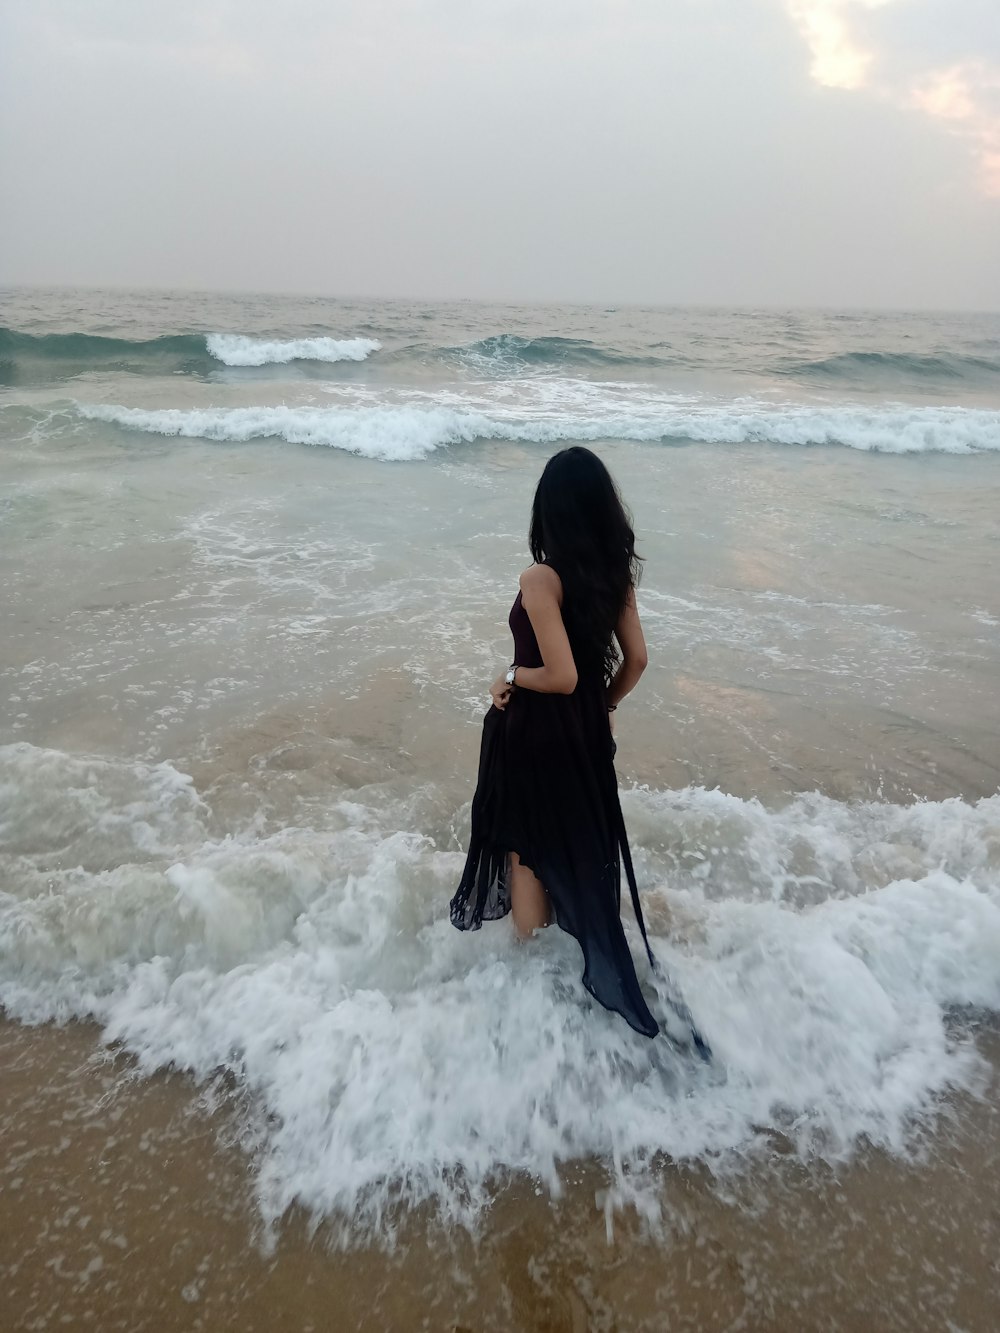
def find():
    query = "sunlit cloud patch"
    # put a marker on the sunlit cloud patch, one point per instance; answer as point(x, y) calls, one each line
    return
point(868, 45)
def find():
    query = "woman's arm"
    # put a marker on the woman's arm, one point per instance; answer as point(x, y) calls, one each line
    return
point(632, 642)
point(541, 597)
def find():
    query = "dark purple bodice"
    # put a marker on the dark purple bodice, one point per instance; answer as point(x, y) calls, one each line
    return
point(526, 651)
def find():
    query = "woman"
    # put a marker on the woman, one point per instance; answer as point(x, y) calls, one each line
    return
point(547, 826)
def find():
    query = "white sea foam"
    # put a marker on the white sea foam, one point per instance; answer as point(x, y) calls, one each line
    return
point(821, 947)
point(405, 426)
point(235, 349)
point(390, 433)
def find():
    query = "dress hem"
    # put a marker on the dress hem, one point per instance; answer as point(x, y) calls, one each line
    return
point(500, 877)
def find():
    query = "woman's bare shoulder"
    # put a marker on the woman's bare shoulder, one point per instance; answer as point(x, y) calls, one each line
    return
point(541, 579)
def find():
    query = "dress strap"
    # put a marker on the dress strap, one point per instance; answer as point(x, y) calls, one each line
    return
point(672, 994)
point(633, 888)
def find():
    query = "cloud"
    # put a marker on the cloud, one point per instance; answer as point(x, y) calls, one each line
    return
point(914, 54)
point(839, 57)
point(967, 98)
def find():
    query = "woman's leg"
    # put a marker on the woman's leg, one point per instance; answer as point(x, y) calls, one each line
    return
point(529, 903)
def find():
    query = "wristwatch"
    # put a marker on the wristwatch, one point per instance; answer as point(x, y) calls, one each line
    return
point(511, 673)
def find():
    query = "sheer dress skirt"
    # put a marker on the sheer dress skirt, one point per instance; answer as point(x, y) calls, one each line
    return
point(547, 790)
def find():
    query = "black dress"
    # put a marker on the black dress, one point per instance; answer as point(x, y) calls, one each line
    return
point(547, 790)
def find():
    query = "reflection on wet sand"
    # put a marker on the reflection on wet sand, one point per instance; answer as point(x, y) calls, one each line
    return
point(126, 1205)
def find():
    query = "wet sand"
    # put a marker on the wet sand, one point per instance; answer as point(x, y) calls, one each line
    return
point(127, 1205)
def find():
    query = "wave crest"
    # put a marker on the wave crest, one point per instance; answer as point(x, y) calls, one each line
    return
point(30, 357)
point(406, 431)
point(237, 349)
point(894, 367)
point(506, 351)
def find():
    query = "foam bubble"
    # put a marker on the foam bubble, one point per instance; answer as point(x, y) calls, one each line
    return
point(822, 947)
point(235, 349)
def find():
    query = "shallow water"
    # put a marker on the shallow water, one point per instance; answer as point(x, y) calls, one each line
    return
point(243, 679)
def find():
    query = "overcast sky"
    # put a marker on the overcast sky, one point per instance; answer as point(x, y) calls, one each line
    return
point(733, 152)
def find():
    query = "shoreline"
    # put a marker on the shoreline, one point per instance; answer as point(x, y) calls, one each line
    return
point(127, 1203)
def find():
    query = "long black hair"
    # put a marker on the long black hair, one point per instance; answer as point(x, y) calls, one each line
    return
point(581, 527)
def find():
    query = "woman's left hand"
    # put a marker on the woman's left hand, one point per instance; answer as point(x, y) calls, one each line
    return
point(500, 692)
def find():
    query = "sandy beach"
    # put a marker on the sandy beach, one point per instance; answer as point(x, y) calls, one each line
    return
point(126, 1205)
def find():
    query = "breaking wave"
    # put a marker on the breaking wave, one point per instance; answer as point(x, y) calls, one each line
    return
point(827, 951)
point(27, 358)
point(234, 349)
point(406, 430)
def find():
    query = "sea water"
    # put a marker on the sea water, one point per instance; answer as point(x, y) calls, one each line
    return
point(257, 558)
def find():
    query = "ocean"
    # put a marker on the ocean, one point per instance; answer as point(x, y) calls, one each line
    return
point(258, 555)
